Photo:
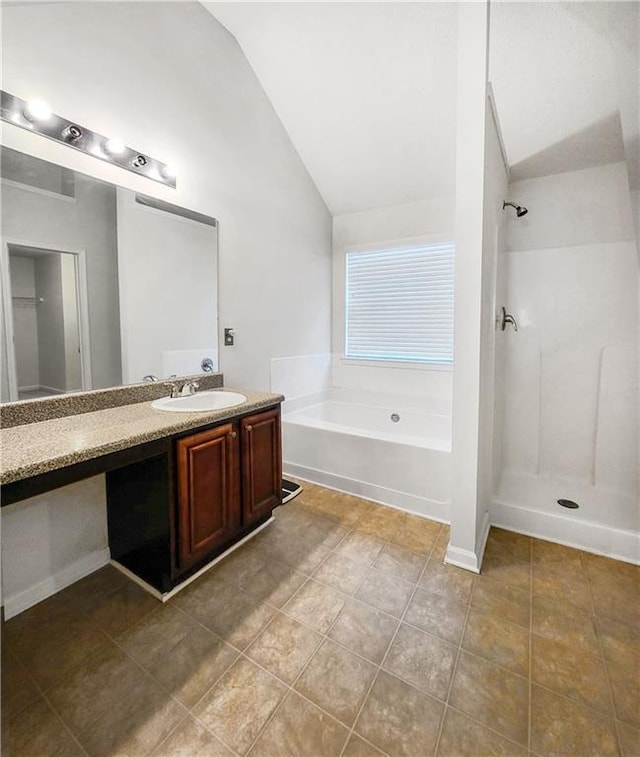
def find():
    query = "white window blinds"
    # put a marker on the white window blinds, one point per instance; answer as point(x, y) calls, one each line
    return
point(400, 304)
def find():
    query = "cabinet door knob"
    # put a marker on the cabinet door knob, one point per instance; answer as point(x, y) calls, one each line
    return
point(232, 435)
point(249, 428)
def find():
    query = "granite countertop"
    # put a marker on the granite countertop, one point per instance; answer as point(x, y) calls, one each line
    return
point(35, 448)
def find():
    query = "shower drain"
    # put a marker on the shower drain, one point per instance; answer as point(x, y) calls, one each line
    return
point(394, 417)
point(568, 503)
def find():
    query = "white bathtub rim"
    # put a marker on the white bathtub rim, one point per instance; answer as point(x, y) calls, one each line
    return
point(366, 398)
point(300, 418)
point(322, 398)
point(425, 403)
point(390, 406)
point(370, 398)
point(437, 445)
point(423, 507)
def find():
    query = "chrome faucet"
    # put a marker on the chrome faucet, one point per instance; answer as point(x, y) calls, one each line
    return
point(180, 390)
point(190, 387)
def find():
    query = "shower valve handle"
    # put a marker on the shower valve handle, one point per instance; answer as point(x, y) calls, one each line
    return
point(508, 318)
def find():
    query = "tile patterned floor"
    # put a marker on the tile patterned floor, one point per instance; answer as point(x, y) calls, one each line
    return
point(337, 631)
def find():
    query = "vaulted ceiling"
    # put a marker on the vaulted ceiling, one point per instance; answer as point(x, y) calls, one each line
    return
point(367, 91)
point(559, 82)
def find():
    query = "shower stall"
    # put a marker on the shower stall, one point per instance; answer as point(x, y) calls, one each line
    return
point(567, 410)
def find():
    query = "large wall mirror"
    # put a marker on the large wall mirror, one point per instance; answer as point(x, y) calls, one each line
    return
point(100, 286)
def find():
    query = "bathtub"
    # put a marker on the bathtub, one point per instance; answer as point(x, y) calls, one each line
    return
point(376, 446)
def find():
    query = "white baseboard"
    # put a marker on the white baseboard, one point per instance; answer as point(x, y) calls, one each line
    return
point(23, 600)
point(465, 558)
point(427, 508)
point(484, 535)
point(617, 543)
point(462, 558)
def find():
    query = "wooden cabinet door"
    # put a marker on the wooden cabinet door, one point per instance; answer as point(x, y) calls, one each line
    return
point(261, 464)
point(208, 492)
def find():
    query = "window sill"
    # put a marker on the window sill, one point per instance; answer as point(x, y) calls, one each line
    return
point(412, 366)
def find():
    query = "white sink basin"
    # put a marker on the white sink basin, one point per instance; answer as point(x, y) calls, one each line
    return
point(199, 402)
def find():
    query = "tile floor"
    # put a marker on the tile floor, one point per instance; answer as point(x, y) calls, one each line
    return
point(337, 631)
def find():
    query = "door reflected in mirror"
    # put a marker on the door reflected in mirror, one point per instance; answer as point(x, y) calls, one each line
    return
point(48, 339)
point(100, 285)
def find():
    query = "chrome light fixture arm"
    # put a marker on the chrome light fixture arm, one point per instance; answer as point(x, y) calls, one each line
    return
point(35, 116)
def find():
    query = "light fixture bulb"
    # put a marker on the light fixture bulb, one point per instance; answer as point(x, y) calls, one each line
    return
point(37, 110)
point(72, 133)
point(115, 146)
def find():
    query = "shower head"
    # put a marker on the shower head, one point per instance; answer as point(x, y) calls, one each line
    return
point(520, 211)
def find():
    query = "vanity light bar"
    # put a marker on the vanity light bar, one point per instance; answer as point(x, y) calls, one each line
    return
point(35, 116)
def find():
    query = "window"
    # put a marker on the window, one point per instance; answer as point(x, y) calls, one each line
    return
point(399, 304)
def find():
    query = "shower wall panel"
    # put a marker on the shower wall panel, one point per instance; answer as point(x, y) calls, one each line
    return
point(616, 443)
point(571, 369)
point(569, 402)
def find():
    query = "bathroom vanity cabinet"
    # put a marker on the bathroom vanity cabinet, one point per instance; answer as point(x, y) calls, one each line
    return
point(172, 512)
point(228, 478)
point(209, 511)
point(181, 488)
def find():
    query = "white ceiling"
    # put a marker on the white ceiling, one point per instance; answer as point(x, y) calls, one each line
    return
point(554, 77)
point(367, 91)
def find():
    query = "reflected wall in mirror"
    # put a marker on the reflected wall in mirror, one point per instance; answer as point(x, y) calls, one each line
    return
point(100, 285)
